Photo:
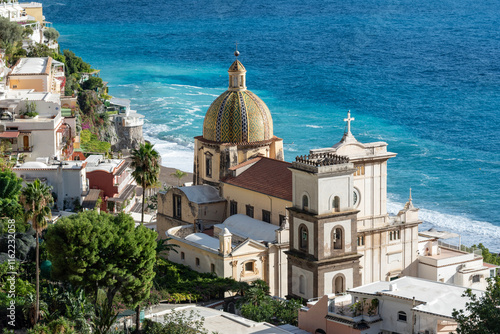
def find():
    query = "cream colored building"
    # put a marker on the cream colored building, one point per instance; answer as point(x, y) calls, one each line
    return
point(242, 248)
point(40, 74)
point(260, 188)
point(198, 206)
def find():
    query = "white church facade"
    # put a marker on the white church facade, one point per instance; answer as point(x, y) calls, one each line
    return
point(331, 203)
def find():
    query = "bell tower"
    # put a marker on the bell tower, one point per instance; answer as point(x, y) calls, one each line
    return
point(323, 255)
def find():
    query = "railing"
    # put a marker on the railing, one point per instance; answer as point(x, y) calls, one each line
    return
point(475, 251)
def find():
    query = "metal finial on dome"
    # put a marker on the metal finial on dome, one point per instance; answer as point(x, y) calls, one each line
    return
point(236, 52)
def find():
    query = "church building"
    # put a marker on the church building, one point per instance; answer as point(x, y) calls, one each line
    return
point(237, 127)
point(329, 206)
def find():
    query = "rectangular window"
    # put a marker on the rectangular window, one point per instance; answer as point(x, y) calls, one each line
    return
point(197, 262)
point(282, 219)
point(250, 211)
point(361, 240)
point(183, 256)
point(266, 216)
point(208, 165)
point(177, 206)
point(233, 208)
point(476, 279)
point(249, 266)
point(212, 268)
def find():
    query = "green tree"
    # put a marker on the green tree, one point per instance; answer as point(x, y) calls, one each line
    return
point(257, 305)
point(177, 322)
point(146, 164)
point(92, 83)
point(37, 199)
point(179, 175)
point(10, 32)
point(482, 313)
point(75, 64)
point(51, 34)
point(104, 252)
point(39, 50)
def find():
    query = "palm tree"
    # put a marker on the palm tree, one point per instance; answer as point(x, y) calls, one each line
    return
point(179, 175)
point(146, 162)
point(37, 199)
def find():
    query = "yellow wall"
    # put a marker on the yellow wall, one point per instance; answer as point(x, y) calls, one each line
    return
point(38, 84)
point(276, 206)
point(36, 12)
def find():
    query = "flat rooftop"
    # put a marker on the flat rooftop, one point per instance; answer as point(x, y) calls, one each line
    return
point(31, 66)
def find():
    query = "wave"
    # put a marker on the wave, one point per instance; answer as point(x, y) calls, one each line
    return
point(314, 126)
point(186, 86)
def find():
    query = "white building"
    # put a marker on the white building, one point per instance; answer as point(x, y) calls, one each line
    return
point(67, 179)
point(442, 262)
point(44, 135)
point(405, 305)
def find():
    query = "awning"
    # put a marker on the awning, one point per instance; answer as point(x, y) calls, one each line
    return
point(9, 134)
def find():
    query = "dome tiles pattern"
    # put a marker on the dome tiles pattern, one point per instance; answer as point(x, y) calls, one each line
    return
point(238, 117)
point(237, 66)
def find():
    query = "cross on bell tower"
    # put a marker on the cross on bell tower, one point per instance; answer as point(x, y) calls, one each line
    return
point(349, 119)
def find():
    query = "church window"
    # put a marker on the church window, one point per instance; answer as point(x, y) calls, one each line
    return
point(233, 208)
point(305, 202)
point(337, 238)
point(302, 284)
point(338, 284)
point(249, 266)
point(303, 237)
point(249, 211)
point(476, 278)
point(212, 268)
point(197, 261)
point(177, 207)
point(266, 216)
point(402, 316)
point(183, 256)
point(208, 165)
point(336, 204)
point(361, 240)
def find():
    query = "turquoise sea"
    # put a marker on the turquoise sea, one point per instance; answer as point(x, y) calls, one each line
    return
point(423, 76)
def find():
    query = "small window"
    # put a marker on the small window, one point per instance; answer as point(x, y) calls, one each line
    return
point(305, 202)
point(303, 238)
point(361, 240)
point(337, 238)
point(336, 204)
point(476, 279)
point(266, 216)
point(250, 211)
point(197, 262)
point(212, 268)
point(177, 207)
point(249, 266)
point(401, 316)
point(282, 219)
point(183, 256)
point(208, 165)
point(302, 284)
point(233, 208)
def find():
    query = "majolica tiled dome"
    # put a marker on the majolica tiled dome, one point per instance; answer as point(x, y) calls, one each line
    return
point(238, 115)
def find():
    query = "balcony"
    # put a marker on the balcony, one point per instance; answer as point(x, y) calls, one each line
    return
point(343, 309)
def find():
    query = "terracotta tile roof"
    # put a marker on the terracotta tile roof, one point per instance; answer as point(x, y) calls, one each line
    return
point(267, 176)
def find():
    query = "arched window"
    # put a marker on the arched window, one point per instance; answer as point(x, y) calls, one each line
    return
point(302, 284)
point(304, 236)
point(338, 284)
point(305, 202)
point(401, 316)
point(336, 204)
point(337, 238)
